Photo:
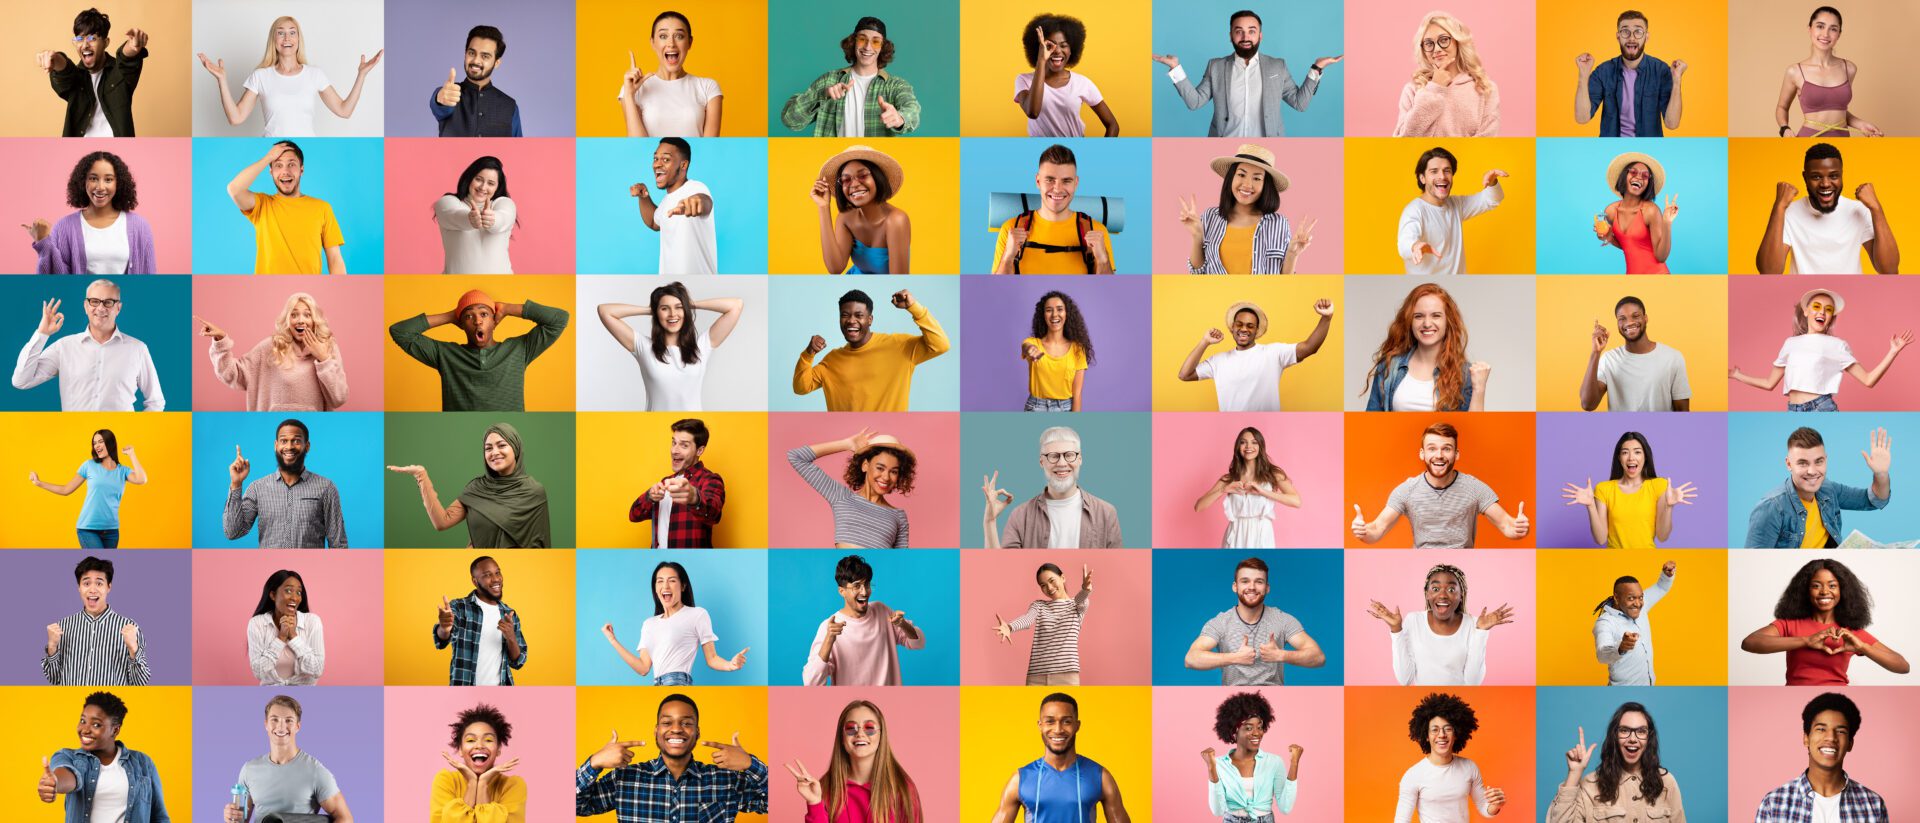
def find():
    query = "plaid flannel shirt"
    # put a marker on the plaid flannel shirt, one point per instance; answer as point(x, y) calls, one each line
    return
point(465, 639)
point(1793, 803)
point(690, 526)
point(646, 792)
point(814, 108)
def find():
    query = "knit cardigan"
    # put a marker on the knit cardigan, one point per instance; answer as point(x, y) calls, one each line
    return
point(64, 250)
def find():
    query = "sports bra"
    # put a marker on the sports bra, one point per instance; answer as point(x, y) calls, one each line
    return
point(1815, 97)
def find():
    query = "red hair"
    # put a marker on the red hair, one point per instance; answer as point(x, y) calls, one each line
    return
point(1453, 347)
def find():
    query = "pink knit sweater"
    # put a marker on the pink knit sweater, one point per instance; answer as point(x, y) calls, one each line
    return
point(1458, 110)
point(303, 385)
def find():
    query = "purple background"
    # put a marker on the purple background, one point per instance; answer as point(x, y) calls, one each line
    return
point(537, 70)
point(996, 313)
point(339, 726)
point(1689, 447)
point(151, 588)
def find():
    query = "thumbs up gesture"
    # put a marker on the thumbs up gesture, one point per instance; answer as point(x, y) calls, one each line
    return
point(47, 782)
point(449, 94)
point(1360, 529)
point(1521, 525)
point(1246, 654)
point(890, 115)
point(486, 216)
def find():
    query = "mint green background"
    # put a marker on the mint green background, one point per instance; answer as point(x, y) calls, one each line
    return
point(448, 444)
point(805, 43)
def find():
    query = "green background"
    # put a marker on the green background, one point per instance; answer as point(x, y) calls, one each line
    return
point(805, 40)
point(448, 444)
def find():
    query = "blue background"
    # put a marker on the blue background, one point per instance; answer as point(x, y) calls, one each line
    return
point(806, 305)
point(612, 240)
point(1113, 168)
point(1305, 583)
point(1198, 30)
point(1117, 466)
point(344, 447)
point(617, 585)
point(1756, 458)
point(1574, 190)
point(347, 172)
point(155, 310)
point(1691, 720)
point(924, 583)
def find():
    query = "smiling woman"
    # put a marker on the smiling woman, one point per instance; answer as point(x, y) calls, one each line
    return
point(478, 787)
point(298, 368)
point(285, 643)
point(862, 515)
point(1629, 780)
point(286, 86)
point(104, 236)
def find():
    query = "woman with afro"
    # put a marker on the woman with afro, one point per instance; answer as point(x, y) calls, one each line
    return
point(1254, 784)
point(1438, 786)
point(1821, 623)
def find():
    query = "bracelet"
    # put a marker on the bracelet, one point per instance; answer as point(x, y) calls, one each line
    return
point(1783, 130)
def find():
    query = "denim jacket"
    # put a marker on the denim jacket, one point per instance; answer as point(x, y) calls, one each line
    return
point(1385, 381)
point(144, 802)
point(1779, 520)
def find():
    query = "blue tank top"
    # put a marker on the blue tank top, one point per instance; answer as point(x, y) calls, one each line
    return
point(1050, 795)
point(867, 259)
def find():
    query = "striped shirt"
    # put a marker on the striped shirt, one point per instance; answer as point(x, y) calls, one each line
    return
point(1793, 803)
point(91, 653)
point(305, 515)
point(857, 521)
point(1056, 633)
point(1271, 238)
point(1442, 518)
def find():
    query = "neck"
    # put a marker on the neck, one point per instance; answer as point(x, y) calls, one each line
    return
point(103, 610)
point(281, 751)
point(1246, 210)
point(1805, 496)
point(671, 609)
point(288, 64)
point(1630, 480)
point(848, 612)
point(1827, 782)
point(1445, 479)
point(1823, 617)
point(1452, 620)
point(1240, 753)
point(484, 597)
point(109, 463)
point(1823, 57)
point(865, 71)
point(1425, 354)
point(1631, 201)
point(675, 183)
point(1250, 614)
point(1247, 60)
point(1635, 62)
point(1641, 346)
point(871, 495)
point(873, 212)
point(671, 74)
point(1439, 759)
point(482, 83)
point(1055, 336)
point(862, 770)
point(100, 335)
point(106, 212)
point(1047, 212)
point(106, 758)
point(1062, 760)
point(1430, 197)
point(291, 476)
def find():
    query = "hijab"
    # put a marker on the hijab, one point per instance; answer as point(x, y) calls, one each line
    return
point(514, 505)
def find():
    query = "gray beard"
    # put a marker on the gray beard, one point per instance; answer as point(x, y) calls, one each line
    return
point(1061, 487)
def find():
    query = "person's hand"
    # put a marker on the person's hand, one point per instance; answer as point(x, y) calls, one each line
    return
point(458, 764)
point(50, 317)
point(1270, 651)
point(861, 439)
point(130, 635)
point(505, 625)
point(1359, 522)
point(1097, 247)
point(217, 68)
point(1851, 641)
point(1864, 193)
point(1825, 640)
point(1324, 62)
point(815, 345)
point(1207, 756)
point(1679, 68)
point(287, 624)
point(903, 299)
point(1323, 307)
point(1784, 193)
point(1030, 351)
point(1016, 242)
point(630, 82)
point(1421, 250)
point(1047, 47)
point(1003, 629)
point(1213, 337)
point(1190, 216)
point(1628, 641)
point(1600, 335)
point(1086, 576)
point(694, 206)
point(367, 65)
point(1584, 62)
point(309, 339)
point(1478, 373)
point(1245, 655)
point(1679, 494)
point(616, 753)
point(898, 620)
point(1601, 228)
point(729, 756)
point(1492, 178)
point(1672, 211)
point(233, 814)
point(1871, 130)
point(210, 330)
point(1578, 755)
point(482, 214)
point(1498, 617)
point(274, 151)
point(997, 498)
point(50, 61)
point(449, 93)
point(54, 633)
point(1521, 525)
point(419, 473)
point(1496, 799)
point(473, 213)
point(739, 660)
point(679, 489)
point(136, 42)
point(1900, 341)
point(808, 787)
point(1669, 568)
point(607, 630)
point(47, 784)
point(834, 628)
point(446, 615)
point(1294, 751)
point(237, 470)
point(38, 229)
point(1442, 77)
point(839, 90)
point(1578, 495)
point(641, 191)
point(1302, 236)
point(822, 193)
point(128, 450)
point(1171, 62)
point(496, 774)
point(1879, 453)
point(890, 116)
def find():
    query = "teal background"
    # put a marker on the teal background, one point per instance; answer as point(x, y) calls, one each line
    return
point(1117, 465)
point(806, 305)
point(1690, 720)
point(155, 310)
point(344, 171)
point(448, 444)
point(926, 37)
point(1574, 190)
point(343, 447)
point(615, 585)
point(802, 592)
point(610, 239)
point(1198, 30)
point(1113, 168)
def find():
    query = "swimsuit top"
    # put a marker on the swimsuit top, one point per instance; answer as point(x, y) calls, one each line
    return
point(865, 259)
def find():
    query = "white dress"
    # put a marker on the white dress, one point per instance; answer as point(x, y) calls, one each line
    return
point(1249, 520)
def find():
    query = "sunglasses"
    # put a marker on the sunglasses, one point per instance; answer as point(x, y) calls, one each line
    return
point(868, 729)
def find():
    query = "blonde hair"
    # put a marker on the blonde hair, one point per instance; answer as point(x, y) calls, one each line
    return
point(299, 50)
point(1469, 57)
point(283, 341)
point(892, 797)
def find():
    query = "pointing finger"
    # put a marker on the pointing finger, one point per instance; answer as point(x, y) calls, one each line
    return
point(630, 63)
point(1583, 737)
point(736, 738)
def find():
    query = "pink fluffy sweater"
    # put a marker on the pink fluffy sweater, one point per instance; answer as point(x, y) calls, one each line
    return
point(302, 385)
point(1457, 110)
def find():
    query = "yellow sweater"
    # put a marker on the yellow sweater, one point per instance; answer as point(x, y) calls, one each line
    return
point(450, 805)
point(876, 377)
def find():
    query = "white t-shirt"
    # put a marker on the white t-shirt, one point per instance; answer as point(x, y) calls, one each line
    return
point(1440, 794)
point(687, 244)
point(1413, 394)
point(1826, 243)
point(98, 126)
point(672, 386)
point(853, 121)
point(1063, 521)
point(674, 108)
point(1826, 809)
point(1813, 362)
point(1440, 227)
point(1060, 107)
point(486, 668)
point(1248, 381)
point(1643, 382)
point(110, 793)
point(108, 249)
point(675, 641)
point(288, 102)
point(1422, 658)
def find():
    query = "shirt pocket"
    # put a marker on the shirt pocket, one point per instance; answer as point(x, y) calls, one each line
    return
point(718, 811)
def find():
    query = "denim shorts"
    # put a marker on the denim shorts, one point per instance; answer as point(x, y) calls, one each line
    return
point(1822, 403)
point(1043, 404)
point(99, 538)
point(674, 679)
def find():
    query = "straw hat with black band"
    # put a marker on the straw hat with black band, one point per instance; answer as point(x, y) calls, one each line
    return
point(1258, 314)
point(1621, 163)
point(1259, 157)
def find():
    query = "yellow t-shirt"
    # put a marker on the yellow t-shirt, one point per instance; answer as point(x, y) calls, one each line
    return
point(1630, 516)
point(1236, 249)
point(1816, 531)
point(1053, 233)
point(291, 234)
point(1050, 377)
point(877, 377)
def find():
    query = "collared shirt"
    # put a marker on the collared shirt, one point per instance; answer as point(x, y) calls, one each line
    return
point(1635, 667)
point(305, 515)
point(647, 792)
point(145, 803)
point(92, 653)
point(94, 376)
point(1779, 520)
point(1243, 98)
point(1607, 90)
point(689, 526)
point(1793, 803)
point(1028, 525)
point(813, 109)
point(465, 639)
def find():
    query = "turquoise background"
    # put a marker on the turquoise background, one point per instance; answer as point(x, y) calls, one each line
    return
point(1117, 466)
point(802, 592)
point(615, 585)
point(1690, 720)
point(343, 447)
point(1574, 189)
point(610, 239)
point(156, 310)
point(926, 38)
point(1198, 30)
point(1305, 583)
point(1757, 453)
point(347, 172)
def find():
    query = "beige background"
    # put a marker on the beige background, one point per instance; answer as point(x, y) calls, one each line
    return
point(1765, 37)
point(160, 105)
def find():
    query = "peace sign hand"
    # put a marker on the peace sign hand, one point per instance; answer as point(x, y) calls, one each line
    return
point(1672, 211)
point(1302, 235)
point(1190, 215)
point(808, 787)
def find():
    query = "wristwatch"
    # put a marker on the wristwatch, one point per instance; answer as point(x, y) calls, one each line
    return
point(1783, 130)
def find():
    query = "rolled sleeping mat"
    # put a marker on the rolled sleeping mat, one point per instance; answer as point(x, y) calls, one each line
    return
point(1006, 205)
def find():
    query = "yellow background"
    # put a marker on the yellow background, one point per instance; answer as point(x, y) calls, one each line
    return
point(736, 449)
point(155, 515)
point(1689, 625)
point(720, 30)
point(999, 735)
point(1687, 313)
point(163, 103)
point(1118, 39)
point(1676, 30)
point(1755, 165)
point(932, 173)
point(1380, 181)
point(539, 586)
point(411, 386)
point(42, 719)
point(1184, 308)
point(631, 710)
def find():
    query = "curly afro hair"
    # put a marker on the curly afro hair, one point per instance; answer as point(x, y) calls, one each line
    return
point(856, 477)
point(1455, 711)
point(125, 197)
point(1856, 603)
point(1074, 30)
point(481, 713)
point(1235, 710)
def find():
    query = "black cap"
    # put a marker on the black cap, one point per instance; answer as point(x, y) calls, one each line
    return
point(871, 23)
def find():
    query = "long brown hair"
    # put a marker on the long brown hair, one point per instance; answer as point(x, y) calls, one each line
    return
point(1263, 468)
point(1453, 347)
point(893, 796)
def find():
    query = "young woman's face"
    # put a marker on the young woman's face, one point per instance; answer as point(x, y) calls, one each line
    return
point(668, 586)
point(499, 454)
point(856, 184)
point(883, 471)
point(1639, 177)
point(1825, 31)
point(1824, 591)
point(1052, 585)
point(483, 185)
point(1247, 736)
point(1054, 311)
point(860, 733)
point(287, 598)
point(1062, 52)
point(1248, 182)
point(286, 39)
point(672, 313)
point(1820, 311)
point(300, 317)
point(98, 733)
point(1429, 321)
point(1633, 736)
point(102, 184)
point(479, 746)
point(1248, 446)
point(1444, 51)
point(99, 446)
point(1632, 458)
point(671, 43)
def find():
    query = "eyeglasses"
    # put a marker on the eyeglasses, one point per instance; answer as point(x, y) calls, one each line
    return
point(86, 38)
point(867, 729)
point(95, 302)
point(1442, 44)
point(1060, 457)
point(1635, 732)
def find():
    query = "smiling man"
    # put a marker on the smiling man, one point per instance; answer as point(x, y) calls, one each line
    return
point(859, 644)
point(483, 630)
point(1430, 239)
point(1062, 786)
point(1804, 512)
point(286, 780)
point(476, 107)
point(97, 646)
point(1253, 636)
point(673, 787)
point(1640, 92)
point(1247, 87)
point(1246, 378)
point(861, 99)
point(296, 508)
point(1641, 374)
point(292, 232)
point(1440, 647)
point(1054, 239)
point(1824, 793)
point(684, 217)
point(872, 372)
point(100, 368)
point(1062, 515)
point(99, 88)
point(486, 373)
point(685, 505)
point(1826, 232)
point(1623, 632)
point(1442, 504)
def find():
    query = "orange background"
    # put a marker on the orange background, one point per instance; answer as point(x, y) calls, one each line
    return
point(1383, 450)
point(1379, 751)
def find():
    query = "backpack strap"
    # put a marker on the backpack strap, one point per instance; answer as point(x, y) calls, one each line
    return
point(1083, 224)
point(1022, 221)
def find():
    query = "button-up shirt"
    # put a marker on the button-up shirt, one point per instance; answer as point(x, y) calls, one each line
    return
point(465, 639)
point(1793, 803)
point(647, 792)
point(305, 515)
point(92, 653)
point(94, 376)
point(1651, 89)
point(689, 525)
point(1779, 520)
point(145, 804)
point(813, 109)
point(1243, 99)
point(1635, 667)
point(1030, 527)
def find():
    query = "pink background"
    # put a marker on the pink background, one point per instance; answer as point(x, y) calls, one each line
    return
point(35, 180)
point(1395, 578)
point(801, 518)
point(419, 721)
point(1760, 318)
point(1113, 637)
point(1379, 59)
point(345, 587)
point(1314, 177)
point(246, 307)
point(539, 177)
point(1183, 727)
point(922, 722)
point(1765, 748)
point(1191, 451)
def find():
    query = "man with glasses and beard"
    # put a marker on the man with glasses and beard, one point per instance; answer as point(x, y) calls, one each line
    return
point(1640, 92)
point(1442, 504)
point(99, 368)
point(1826, 231)
point(1246, 88)
point(1061, 786)
point(296, 508)
point(1256, 635)
point(1641, 375)
point(1439, 647)
point(1063, 516)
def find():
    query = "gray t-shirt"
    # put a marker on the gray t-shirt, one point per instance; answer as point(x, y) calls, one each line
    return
point(298, 787)
point(1442, 518)
point(1227, 630)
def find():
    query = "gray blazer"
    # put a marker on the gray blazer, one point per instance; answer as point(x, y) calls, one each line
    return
point(1276, 84)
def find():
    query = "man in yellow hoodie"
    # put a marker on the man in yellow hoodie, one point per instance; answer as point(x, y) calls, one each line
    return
point(872, 372)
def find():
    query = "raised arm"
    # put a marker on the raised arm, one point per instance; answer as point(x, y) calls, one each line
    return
point(730, 309)
point(239, 188)
point(1768, 383)
point(138, 475)
point(237, 113)
point(1318, 337)
point(1583, 88)
point(1771, 258)
point(1591, 387)
point(1190, 367)
point(641, 663)
point(1882, 250)
point(63, 490)
point(344, 108)
point(1671, 117)
point(614, 316)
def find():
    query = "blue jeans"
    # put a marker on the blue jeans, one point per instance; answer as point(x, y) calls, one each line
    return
point(1265, 818)
point(674, 679)
point(99, 538)
point(1043, 404)
point(1822, 403)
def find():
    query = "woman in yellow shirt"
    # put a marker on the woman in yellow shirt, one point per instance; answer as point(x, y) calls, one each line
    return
point(478, 788)
point(1634, 509)
point(1057, 355)
point(1246, 233)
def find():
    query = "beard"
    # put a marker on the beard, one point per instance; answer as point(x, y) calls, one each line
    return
point(1826, 209)
point(294, 466)
point(1061, 486)
point(1247, 51)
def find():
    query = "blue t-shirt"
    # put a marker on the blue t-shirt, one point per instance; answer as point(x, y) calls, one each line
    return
point(1051, 795)
point(104, 487)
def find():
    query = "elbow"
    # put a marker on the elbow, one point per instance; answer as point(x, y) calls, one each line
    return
point(1190, 662)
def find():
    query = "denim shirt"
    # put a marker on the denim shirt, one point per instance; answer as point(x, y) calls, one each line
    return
point(1651, 91)
point(144, 801)
point(1385, 381)
point(1779, 520)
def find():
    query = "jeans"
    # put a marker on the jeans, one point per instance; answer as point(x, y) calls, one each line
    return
point(1822, 403)
point(674, 679)
point(1265, 818)
point(99, 538)
point(1043, 404)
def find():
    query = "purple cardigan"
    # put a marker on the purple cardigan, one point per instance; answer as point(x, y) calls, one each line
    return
point(64, 251)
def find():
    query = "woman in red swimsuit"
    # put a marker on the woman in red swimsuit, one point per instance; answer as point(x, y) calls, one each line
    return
point(1636, 223)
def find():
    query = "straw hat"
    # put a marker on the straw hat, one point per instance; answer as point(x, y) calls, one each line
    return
point(1257, 156)
point(1839, 303)
point(830, 171)
point(1621, 162)
point(1258, 314)
point(886, 441)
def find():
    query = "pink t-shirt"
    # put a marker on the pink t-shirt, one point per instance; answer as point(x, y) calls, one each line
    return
point(1806, 667)
point(1059, 107)
point(867, 653)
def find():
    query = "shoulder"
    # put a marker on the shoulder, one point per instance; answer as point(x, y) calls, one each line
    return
point(1095, 503)
point(1474, 483)
point(706, 85)
point(1008, 224)
point(70, 223)
point(693, 187)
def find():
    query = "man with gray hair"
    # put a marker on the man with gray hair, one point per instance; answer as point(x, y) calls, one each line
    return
point(1064, 516)
point(100, 368)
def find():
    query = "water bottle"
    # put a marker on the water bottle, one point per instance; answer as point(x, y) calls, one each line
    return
point(240, 798)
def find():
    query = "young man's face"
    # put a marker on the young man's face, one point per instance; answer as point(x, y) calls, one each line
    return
point(1245, 33)
point(669, 168)
point(1807, 467)
point(478, 322)
point(1438, 452)
point(1436, 180)
point(1630, 598)
point(684, 452)
point(856, 596)
point(287, 171)
point(1059, 725)
point(1632, 35)
point(1058, 182)
point(103, 306)
point(676, 730)
point(1829, 740)
point(290, 447)
point(1440, 736)
point(1246, 327)
point(483, 56)
point(1824, 182)
point(1250, 586)
point(282, 724)
point(867, 45)
point(488, 579)
point(856, 323)
point(1443, 596)
point(93, 592)
point(92, 44)
point(1632, 322)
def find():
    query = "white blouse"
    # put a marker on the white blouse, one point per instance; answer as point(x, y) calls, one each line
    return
point(297, 662)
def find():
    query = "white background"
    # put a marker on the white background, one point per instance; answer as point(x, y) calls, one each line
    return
point(335, 33)
point(1756, 577)
point(609, 380)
